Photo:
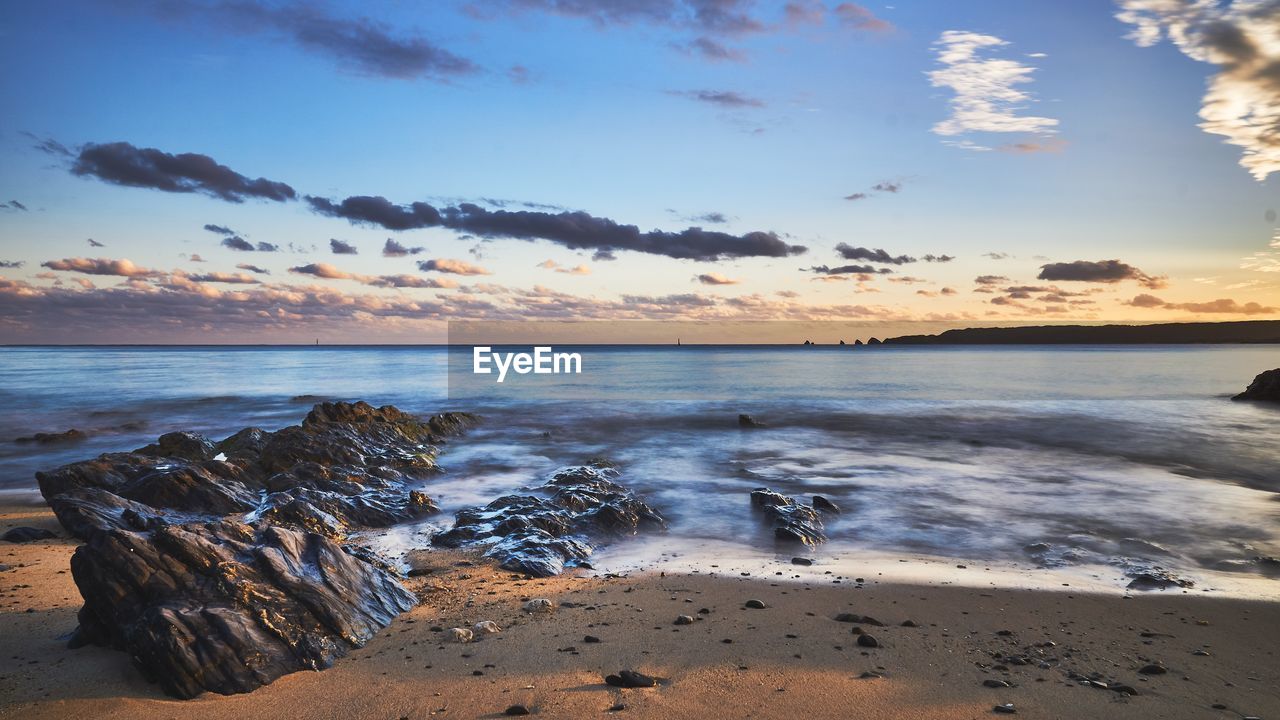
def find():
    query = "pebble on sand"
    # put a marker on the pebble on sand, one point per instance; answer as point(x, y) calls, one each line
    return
point(459, 635)
point(755, 604)
point(539, 605)
point(630, 679)
point(683, 620)
point(1005, 709)
point(486, 627)
point(868, 641)
point(516, 710)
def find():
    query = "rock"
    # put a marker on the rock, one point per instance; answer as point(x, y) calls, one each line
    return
point(873, 341)
point(516, 710)
point(577, 509)
point(801, 561)
point(1153, 669)
point(590, 639)
point(1155, 578)
point(747, 421)
point(459, 635)
point(485, 627)
point(27, 534)
point(630, 679)
point(223, 575)
point(68, 436)
point(1265, 387)
point(868, 641)
point(539, 605)
point(858, 619)
point(1005, 709)
point(1123, 689)
point(822, 504)
point(683, 620)
point(791, 522)
point(909, 623)
point(993, 683)
point(754, 604)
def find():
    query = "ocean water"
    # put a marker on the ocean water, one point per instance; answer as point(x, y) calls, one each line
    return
point(1052, 463)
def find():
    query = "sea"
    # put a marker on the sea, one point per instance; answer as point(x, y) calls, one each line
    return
point(1066, 467)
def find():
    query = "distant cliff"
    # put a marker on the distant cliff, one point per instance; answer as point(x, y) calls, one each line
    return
point(1252, 331)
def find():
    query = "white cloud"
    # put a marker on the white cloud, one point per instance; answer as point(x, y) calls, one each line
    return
point(987, 97)
point(1242, 38)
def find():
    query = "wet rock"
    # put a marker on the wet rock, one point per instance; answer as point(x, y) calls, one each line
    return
point(754, 604)
point(1265, 387)
point(1005, 709)
point(630, 679)
point(868, 641)
point(822, 504)
point(540, 534)
point(40, 438)
point(539, 606)
point(222, 575)
point(26, 535)
point(459, 635)
point(801, 561)
point(1155, 578)
point(791, 522)
point(747, 421)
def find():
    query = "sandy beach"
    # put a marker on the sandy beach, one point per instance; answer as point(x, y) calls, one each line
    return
point(790, 659)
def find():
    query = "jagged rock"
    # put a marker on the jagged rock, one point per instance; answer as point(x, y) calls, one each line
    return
point(26, 535)
point(459, 635)
point(791, 522)
point(1265, 387)
point(223, 575)
point(822, 504)
point(71, 435)
point(747, 421)
point(485, 627)
point(577, 509)
point(1156, 578)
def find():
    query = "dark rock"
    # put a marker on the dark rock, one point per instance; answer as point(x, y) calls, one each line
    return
point(69, 436)
point(993, 683)
point(1153, 669)
point(791, 522)
point(909, 623)
point(801, 561)
point(516, 710)
point(223, 575)
point(858, 619)
point(754, 604)
point(27, 534)
point(1005, 709)
point(867, 641)
point(747, 421)
point(590, 639)
point(577, 509)
point(1155, 578)
point(630, 679)
point(873, 341)
point(822, 504)
point(683, 620)
point(1123, 689)
point(1265, 387)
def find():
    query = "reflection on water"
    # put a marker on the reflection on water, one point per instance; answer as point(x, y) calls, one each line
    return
point(1057, 457)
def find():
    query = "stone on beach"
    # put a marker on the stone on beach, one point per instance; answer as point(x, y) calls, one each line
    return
point(791, 521)
point(27, 534)
point(630, 679)
point(486, 627)
point(459, 635)
point(539, 605)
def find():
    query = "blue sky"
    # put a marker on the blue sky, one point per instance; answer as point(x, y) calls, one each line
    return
point(604, 116)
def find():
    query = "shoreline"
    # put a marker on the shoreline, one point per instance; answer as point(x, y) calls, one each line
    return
point(790, 658)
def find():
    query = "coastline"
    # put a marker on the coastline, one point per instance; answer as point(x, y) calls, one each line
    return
point(791, 658)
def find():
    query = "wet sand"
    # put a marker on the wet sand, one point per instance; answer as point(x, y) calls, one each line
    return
point(790, 659)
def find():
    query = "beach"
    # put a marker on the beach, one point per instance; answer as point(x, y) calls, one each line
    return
point(790, 659)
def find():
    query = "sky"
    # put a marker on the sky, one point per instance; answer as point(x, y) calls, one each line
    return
point(245, 171)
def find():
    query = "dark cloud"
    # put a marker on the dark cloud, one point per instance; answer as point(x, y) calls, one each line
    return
point(575, 230)
point(94, 243)
point(938, 258)
point(101, 266)
point(849, 270)
point(856, 196)
point(235, 242)
point(716, 279)
point(887, 186)
point(13, 205)
point(11, 264)
point(878, 256)
point(120, 163)
point(714, 218)
point(359, 44)
point(1101, 271)
point(722, 98)
point(990, 280)
point(253, 269)
point(395, 249)
point(49, 146)
point(1225, 306)
point(342, 248)
point(268, 247)
point(219, 229)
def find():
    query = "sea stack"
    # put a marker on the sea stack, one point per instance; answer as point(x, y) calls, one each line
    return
point(1265, 387)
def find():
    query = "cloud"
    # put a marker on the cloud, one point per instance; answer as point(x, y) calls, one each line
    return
point(715, 278)
point(101, 266)
point(94, 243)
point(342, 248)
point(715, 218)
point(997, 255)
point(1031, 147)
point(219, 229)
point(1242, 39)
point(221, 277)
point(575, 270)
point(722, 98)
point(235, 242)
point(1101, 271)
point(887, 186)
point(395, 249)
point(937, 258)
point(855, 16)
point(323, 270)
point(708, 49)
point(453, 267)
point(411, 281)
point(48, 146)
point(13, 205)
point(1223, 306)
point(11, 264)
point(987, 98)
point(856, 196)
point(120, 163)
point(849, 270)
point(195, 257)
point(879, 256)
point(253, 269)
point(358, 44)
point(575, 230)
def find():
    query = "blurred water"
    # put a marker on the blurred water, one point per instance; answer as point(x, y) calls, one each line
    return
point(1106, 455)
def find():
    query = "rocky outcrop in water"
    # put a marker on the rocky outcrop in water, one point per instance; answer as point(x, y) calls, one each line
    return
point(560, 524)
point(791, 521)
point(1265, 387)
point(222, 566)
